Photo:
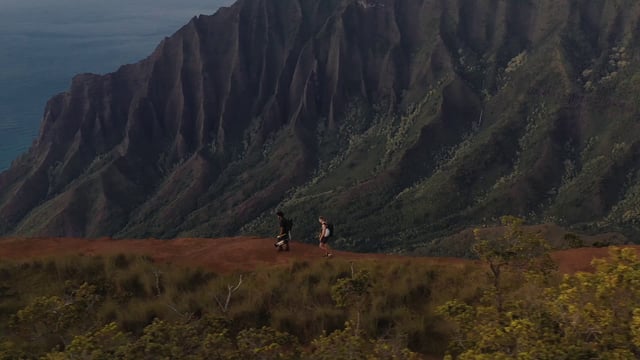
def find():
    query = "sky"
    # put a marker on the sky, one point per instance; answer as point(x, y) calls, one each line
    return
point(44, 43)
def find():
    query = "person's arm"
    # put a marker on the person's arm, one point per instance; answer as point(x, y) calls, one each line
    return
point(322, 231)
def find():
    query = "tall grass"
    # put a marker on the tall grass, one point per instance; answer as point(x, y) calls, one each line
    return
point(297, 299)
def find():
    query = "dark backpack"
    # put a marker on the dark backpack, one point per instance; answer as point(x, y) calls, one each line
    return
point(288, 224)
point(330, 227)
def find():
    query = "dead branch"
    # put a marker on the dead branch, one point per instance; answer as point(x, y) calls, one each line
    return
point(231, 289)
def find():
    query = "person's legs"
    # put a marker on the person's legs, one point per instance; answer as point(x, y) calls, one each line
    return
point(282, 243)
point(324, 246)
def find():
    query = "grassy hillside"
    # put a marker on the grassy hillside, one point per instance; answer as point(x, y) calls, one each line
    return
point(133, 291)
point(111, 306)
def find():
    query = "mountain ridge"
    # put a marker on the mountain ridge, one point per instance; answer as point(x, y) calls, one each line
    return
point(404, 121)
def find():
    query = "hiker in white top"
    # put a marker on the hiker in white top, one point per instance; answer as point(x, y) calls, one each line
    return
point(325, 233)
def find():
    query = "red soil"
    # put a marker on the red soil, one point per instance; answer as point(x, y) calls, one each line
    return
point(233, 254)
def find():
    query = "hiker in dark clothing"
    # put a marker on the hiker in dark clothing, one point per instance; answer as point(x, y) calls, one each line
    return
point(285, 232)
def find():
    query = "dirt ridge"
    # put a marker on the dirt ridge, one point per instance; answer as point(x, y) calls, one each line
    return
point(239, 253)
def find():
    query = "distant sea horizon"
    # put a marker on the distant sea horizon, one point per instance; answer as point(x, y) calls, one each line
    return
point(45, 44)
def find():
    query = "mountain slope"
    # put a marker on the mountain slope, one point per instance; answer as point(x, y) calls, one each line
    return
point(401, 120)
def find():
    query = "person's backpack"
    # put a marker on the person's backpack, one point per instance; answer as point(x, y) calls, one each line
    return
point(330, 227)
point(288, 224)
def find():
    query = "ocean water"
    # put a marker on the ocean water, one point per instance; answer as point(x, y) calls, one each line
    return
point(44, 43)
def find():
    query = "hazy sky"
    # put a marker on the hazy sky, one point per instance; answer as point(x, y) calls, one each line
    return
point(43, 43)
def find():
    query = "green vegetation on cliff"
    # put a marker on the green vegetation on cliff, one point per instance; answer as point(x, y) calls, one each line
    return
point(402, 121)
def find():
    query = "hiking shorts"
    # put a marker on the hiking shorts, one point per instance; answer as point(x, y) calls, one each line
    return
point(324, 240)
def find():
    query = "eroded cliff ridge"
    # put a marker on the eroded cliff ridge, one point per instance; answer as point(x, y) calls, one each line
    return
point(402, 120)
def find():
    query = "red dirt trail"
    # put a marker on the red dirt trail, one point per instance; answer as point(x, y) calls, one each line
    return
point(236, 254)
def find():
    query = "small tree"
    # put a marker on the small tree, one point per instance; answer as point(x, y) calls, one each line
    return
point(573, 240)
point(353, 293)
point(347, 345)
point(339, 345)
point(54, 320)
point(104, 344)
point(267, 344)
point(206, 338)
point(586, 316)
point(599, 311)
point(516, 250)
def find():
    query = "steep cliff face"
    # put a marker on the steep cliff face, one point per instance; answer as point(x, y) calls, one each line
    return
point(402, 119)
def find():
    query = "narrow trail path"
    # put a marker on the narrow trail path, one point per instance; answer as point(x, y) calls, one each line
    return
point(238, 253)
